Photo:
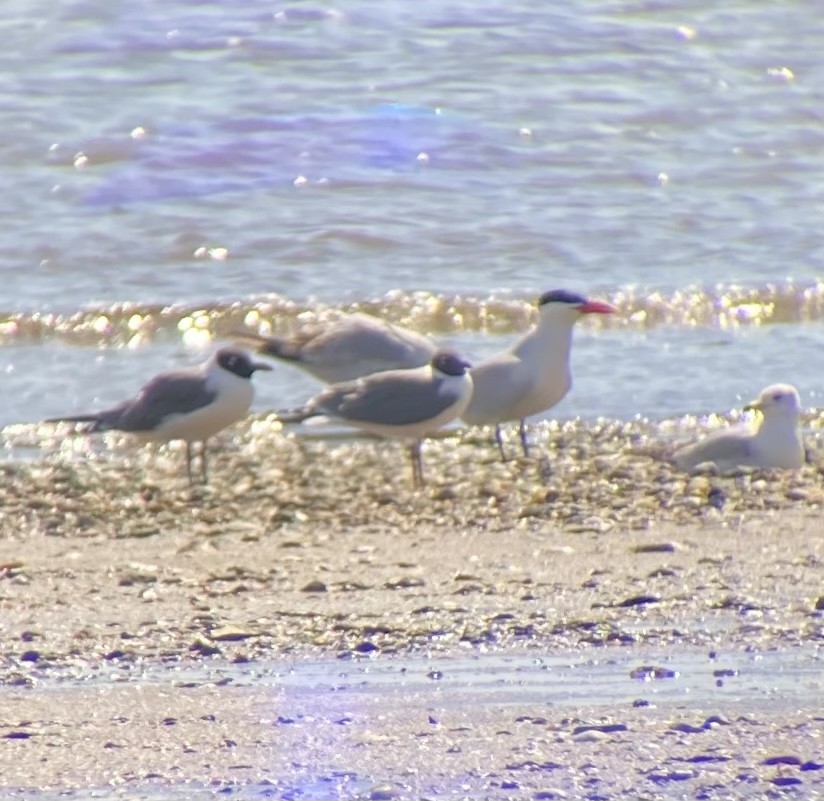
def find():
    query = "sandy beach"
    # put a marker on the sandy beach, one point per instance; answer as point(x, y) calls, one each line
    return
point(587, 623)
point(151, 635)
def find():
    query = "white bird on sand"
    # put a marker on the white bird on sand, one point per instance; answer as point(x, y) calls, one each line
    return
point(534, 374)
point(348, 347)
point(774, 440)
point(399, 404)
point(191, 404)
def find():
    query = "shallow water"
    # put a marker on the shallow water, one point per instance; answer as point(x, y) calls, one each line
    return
point(438, 165)
point(315, 694)
point(579, 679)
point(657, 360)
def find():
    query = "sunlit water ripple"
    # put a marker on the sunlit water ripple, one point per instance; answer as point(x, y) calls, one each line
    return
point(176, 171)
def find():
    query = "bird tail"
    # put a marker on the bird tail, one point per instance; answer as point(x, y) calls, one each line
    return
point(277, 347)
point(294, 415)
point(95, 421)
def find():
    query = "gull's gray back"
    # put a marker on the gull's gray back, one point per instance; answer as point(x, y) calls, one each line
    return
point(394, 398)
point(358, 345)
point(726, 449)
point(164, 395)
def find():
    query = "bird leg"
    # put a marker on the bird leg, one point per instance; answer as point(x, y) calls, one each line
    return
point(189, 457)
point(499, 438)
point(417, 463)
point(522, 433)
point(203, 465)
point(191, 454)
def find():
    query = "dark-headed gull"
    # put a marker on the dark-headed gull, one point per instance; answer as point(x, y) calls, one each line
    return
point(399, 404)
point(190, 404)
point(534, 374)
point(345, 348)
point(772, 440)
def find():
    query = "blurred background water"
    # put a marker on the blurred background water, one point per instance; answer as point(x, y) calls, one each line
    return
point(175, 169)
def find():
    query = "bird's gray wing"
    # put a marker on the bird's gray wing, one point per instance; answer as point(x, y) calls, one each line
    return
point(364, 339)
point(725, 448)
point(386, 399)
point(347, 348)
point(499, 383)
point(164, 395)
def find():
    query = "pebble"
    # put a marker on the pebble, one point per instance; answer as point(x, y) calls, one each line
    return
point(797, 494)
point(671, 776)
point(686, 728)
point(782, 760)
point(651, 672)
point(639, 600)
point(709, 758)
point(657, 547)
point(715, 720)
point(605, 728)
point(383, 792)
point(405, 582)
point(785, 781)
point(203, 646)
point(590, 736)
point(716, 498)
point(230, 634)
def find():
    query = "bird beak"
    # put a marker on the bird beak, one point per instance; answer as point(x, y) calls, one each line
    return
point(596, 307)
point(753, 406)
point(261, 366)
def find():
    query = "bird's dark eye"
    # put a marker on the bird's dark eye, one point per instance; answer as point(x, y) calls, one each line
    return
point(778, 396)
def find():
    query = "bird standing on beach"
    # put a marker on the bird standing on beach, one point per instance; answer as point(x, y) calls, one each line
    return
point(534, 374)
point(191, 404)
point(349, 347)
point(774, 440)
point(399, 404)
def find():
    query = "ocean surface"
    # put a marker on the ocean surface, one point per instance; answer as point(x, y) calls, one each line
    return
point(175, 169)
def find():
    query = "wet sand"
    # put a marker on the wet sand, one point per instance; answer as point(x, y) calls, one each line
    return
point(149, 634)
